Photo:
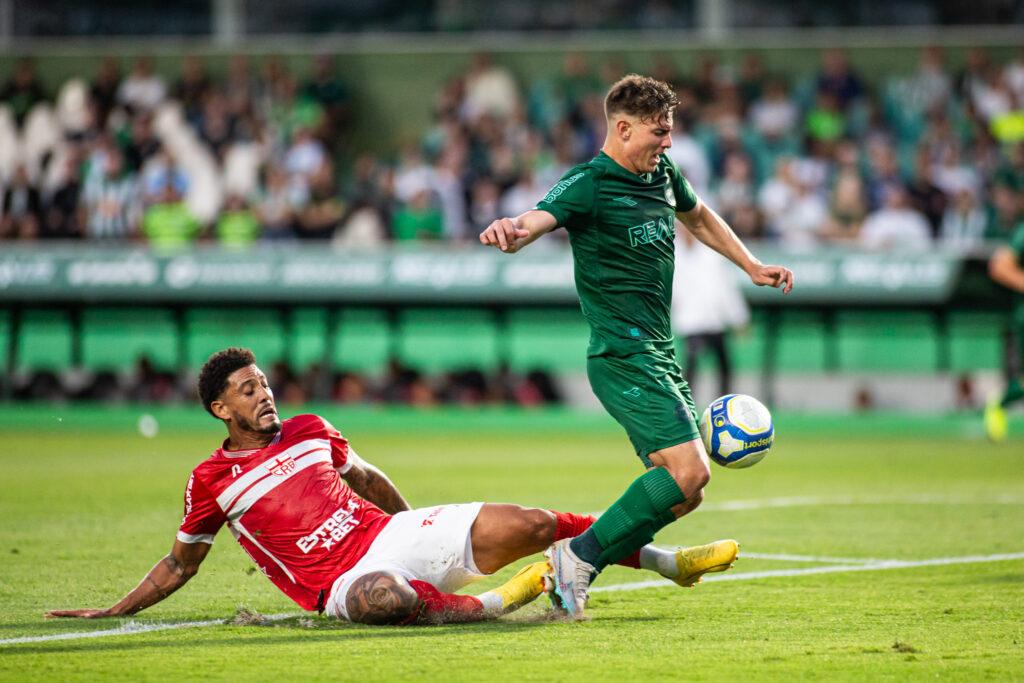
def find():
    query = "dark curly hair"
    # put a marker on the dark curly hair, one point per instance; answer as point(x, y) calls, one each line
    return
point(213, 377)
point(640, 96)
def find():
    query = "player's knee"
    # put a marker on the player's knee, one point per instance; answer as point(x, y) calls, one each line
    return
point(531, 527)
point(539, 527)
point(691, 478)
point(701, 477)
point(381, 598)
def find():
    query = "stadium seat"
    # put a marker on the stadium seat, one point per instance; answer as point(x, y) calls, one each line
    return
point(800, 346)
point(442, 340)
point(115, 338)
point(307, 337)
point(975, 341)
point(747, 346)
point(362, 341)
point(887, 341)
point(44, 341)
point(552, 340)
point(208, 330)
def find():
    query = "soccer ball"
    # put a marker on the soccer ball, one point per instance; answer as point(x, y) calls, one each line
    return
point(737, 430)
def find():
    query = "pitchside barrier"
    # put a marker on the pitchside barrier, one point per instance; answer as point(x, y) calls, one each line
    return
point(438, 309)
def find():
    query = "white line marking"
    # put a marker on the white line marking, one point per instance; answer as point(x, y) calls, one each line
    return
point(786, 557)
point(130, 628)
point(814, 501)
point(834, 569)
point(810, 501)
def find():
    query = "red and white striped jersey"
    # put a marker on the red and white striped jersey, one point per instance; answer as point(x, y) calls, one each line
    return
point(287, 506)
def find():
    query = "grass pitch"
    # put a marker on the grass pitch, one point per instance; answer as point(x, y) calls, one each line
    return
point(88, 505)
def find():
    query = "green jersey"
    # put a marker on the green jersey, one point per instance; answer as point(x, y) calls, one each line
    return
point(622, 230)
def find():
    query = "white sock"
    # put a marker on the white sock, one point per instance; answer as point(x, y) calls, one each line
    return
point(491, 602)
point(659, 560)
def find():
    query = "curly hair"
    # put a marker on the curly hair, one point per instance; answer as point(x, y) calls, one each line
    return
point(213, 377)
point(641, 96)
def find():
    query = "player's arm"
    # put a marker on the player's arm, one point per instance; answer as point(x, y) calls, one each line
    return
point(166, 576)
point(371, 484)
point(512, 234)
point(712, 230)
point(1005, 270)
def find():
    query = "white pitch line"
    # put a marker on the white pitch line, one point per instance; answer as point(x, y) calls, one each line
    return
point(129, 628)
point(832, 569)
point(786, 557)
point(815, 501)
point(811, 501)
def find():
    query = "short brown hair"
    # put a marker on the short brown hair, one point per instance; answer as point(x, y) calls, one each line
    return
point(640, 96)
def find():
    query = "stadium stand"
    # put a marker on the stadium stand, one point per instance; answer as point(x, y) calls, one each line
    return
point(257, 149)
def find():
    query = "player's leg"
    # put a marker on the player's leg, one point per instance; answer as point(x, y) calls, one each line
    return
point(504, 533)
point(659, 418)
point(684, 566)
point(720, 346)
point(642, 392)
point(996, 424)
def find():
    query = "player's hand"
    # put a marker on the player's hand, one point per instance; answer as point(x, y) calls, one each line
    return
point(773, 276)
point(503, 234)
point(79, 613)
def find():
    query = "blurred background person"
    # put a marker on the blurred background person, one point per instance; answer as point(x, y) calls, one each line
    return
point(707, 306)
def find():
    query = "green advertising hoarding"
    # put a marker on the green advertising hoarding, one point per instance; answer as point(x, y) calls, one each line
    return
point(412, 274)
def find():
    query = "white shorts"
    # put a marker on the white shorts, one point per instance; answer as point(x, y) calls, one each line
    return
point(429, 544)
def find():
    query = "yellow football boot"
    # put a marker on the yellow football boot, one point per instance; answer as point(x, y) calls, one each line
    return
point(695, 562)
point(995, 421)
point(524, 587)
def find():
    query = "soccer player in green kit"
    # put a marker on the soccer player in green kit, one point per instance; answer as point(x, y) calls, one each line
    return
point(620, 209)
point(1006, 267)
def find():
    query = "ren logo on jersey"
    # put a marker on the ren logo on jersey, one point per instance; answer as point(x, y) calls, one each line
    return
point(281, 466)
point(651, 231)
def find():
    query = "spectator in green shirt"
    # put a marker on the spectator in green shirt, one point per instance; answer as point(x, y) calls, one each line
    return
point(418, 219)
point(237, 225)
point(169, 223)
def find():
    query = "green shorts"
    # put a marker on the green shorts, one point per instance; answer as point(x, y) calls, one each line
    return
point(646, 393)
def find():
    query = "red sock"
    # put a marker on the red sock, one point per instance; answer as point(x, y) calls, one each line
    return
point(444, 608)
point(569, 525)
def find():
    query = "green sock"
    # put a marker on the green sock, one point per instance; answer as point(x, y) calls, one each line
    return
point(631, 521)
point(1014, 392)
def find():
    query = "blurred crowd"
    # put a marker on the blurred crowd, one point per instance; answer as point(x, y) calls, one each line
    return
point(397, 384)
point(935, 156)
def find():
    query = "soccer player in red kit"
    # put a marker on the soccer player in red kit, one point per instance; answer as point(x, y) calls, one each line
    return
point(334, 533)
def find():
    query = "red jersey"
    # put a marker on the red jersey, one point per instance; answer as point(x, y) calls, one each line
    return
point(287, 507)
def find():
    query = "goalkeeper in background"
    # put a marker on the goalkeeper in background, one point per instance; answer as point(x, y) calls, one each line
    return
point(1006, 267)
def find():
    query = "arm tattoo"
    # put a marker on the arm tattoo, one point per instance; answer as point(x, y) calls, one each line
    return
point(176, 567)
point(381, 598)
point(373, 485)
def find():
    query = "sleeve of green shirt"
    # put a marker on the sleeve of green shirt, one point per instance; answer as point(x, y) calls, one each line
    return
point(686, 198)
point(571, 198)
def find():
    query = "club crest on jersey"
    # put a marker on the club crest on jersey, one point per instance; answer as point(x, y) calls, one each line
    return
point(670, 196)
point(281, 466)
point(651, 231)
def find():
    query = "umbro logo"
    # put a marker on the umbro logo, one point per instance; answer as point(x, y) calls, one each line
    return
point(625, 199)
